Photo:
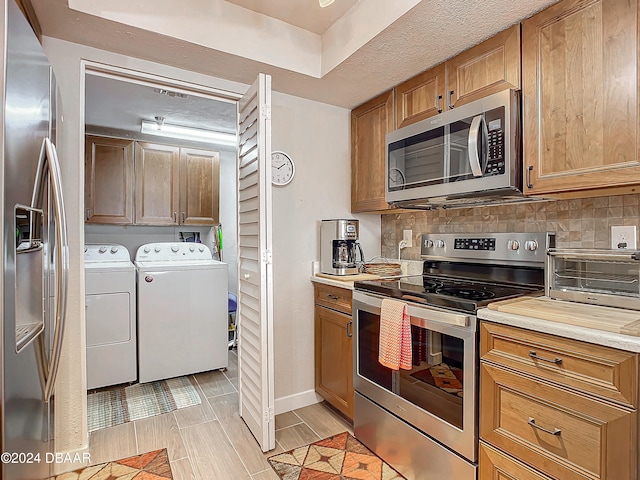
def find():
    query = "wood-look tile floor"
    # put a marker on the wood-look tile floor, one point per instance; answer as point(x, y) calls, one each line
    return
point(210, 441)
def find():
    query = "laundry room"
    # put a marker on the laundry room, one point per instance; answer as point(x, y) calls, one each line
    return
point(160, 235)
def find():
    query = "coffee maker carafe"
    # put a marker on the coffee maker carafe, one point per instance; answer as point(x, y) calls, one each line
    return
point(339, 246)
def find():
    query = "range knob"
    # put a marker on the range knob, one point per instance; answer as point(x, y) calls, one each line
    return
point(114, 250)
point(513, 245)
point(146, 249)
point(428, 243)
point(102, 249)
point(175, 248)
point(439, 243)
point(192, 249)
point(531, 245)
point(156, 249)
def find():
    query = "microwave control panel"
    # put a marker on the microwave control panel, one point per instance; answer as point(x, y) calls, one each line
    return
point(495, 157)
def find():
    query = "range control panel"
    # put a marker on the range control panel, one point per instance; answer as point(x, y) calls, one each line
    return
point(488, 247)
point(474, 244)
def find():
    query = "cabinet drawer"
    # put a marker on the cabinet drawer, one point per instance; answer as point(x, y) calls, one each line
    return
point(561, 433)
point(333, 297)
point(601, 371)
point(495, 465)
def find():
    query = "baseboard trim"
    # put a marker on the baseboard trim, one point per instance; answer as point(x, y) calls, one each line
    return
point(298, 400)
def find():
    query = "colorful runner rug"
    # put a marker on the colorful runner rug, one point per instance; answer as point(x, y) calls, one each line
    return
point(148, 466)
point(340, 457)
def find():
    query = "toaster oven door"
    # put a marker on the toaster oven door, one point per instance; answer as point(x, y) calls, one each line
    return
point(600, 277)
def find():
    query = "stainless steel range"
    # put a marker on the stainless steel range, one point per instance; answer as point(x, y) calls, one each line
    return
point(424, 421)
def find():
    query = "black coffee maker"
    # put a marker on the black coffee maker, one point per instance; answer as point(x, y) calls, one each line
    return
point(339, 247)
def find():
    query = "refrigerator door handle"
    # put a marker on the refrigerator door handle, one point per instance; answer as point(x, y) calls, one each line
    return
point(50, 165)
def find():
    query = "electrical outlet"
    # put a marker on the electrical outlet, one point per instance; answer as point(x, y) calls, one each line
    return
point(623, 237)
point(407, 236)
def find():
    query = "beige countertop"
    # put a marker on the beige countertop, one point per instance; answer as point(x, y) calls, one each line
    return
point(335, 283)
point(591, 335)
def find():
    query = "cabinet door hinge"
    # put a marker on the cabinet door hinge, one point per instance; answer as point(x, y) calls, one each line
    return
point(267, 257)
point(265, 111)
point(268, 415)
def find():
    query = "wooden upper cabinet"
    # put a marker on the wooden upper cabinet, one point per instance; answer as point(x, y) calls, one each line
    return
point(489, 67)
point(108, 192)
point(420, 97)
point(157, 184)
point(580, 71)
point(199, 187)
point(369, 125)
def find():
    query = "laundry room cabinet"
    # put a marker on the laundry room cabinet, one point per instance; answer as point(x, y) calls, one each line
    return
point(140, 183)
point(109, 180)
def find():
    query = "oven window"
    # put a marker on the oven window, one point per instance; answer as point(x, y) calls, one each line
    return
point(434, 384)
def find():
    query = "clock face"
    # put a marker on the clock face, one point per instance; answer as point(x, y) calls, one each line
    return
point(282, 168)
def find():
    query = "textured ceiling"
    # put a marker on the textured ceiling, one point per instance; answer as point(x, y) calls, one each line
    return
point(428, 34)
point(305, 14)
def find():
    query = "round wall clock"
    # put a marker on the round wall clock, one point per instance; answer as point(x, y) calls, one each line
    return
point(282, 168)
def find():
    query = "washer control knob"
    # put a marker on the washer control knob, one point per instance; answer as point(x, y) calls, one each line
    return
point(114, 250)
point(201, 249)
point(440, 243)
point(192, 249)
point(513, 245)
point(174, 249)
point(147, 249)
point(531, 245)
point(102, 249)
point(428, 243)
point(156, 249)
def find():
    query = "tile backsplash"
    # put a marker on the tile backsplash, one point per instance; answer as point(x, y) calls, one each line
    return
point(578, 223)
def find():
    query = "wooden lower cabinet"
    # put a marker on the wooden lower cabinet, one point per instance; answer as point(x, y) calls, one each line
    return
point(534, 425)
point(333, 351)
point(495, 465)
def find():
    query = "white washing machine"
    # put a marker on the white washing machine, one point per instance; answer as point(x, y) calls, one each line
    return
point(110, 299)
point(182, 310)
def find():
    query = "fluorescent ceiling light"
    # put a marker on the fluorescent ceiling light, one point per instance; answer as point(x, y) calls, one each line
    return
point(188, 133)
point(325, 3)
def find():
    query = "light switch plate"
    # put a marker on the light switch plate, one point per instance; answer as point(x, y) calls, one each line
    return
point(407, 236)
point(623, 237)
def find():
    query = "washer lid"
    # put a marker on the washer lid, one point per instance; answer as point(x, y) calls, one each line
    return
point(180, 265)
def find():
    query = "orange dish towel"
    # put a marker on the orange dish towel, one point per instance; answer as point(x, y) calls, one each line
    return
point(395, 335)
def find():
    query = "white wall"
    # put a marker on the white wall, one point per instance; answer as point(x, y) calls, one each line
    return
point(317, 137)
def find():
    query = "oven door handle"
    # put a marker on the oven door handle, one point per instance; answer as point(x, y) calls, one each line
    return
point(421, 315)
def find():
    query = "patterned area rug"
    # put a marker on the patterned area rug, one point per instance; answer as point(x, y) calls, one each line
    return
point(340, 457)
point(148, 466)
point(446, 378)
point(114, 406)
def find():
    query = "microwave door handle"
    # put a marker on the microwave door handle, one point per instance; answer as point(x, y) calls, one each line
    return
point(478, 127)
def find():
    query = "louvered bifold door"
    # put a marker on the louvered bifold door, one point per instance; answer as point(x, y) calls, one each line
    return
point(255, 279)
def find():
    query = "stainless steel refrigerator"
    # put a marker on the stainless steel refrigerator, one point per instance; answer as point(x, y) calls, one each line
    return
point(34, 252)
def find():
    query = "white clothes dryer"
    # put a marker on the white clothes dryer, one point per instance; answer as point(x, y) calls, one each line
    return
point(110, 313)
point(182, 310)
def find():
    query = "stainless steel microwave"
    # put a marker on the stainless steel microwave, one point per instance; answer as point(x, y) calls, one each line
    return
point(471, 154)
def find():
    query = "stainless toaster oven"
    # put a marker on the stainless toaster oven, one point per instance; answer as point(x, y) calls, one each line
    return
point(600, 277)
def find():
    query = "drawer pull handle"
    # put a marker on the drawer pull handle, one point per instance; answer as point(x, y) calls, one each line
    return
point(332, 297)
point(555, 431)
point(349, 329)
point(532, 354)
